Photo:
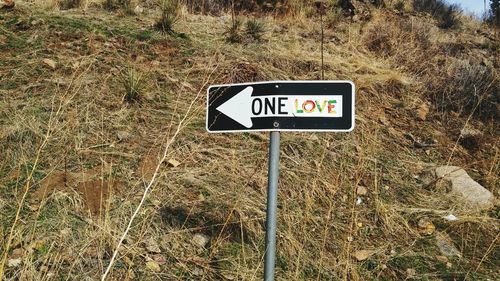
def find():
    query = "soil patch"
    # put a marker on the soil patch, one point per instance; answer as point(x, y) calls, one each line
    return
point(95, 192)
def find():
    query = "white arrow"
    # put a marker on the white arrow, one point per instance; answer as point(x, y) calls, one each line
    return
point(238, 107)
point(243, 107)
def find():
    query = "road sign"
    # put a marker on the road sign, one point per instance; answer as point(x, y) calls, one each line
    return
point(281, 106)
point(276, 106)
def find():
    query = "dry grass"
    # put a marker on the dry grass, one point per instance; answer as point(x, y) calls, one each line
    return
point(219, 188)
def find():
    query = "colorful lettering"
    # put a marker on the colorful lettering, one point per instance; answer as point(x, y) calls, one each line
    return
point(331, 106)
point(322, 107)
point(297, 106)
point(304, 106)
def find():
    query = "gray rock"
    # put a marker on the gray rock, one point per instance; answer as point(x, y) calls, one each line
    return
point(123, 135)
point(446, 245)
point(469, 132)
point(138, 10)
point(201, 240)
point(464, 187)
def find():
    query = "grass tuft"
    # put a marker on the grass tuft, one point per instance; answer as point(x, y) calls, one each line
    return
point(169, 15)
point(233, 33)
point(133, 84)
point(255, 28)
point(399, 5)
point(69, 4)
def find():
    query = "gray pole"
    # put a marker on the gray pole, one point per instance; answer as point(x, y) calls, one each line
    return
point(272, 201)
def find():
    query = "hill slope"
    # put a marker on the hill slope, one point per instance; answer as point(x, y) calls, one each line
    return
point(92, 100)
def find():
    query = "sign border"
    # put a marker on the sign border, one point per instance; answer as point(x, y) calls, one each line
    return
point(283, 82)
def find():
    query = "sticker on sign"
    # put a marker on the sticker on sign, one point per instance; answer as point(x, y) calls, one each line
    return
point(281, 106)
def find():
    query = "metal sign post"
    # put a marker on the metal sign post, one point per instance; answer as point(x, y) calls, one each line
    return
point(272, 202)
point(275, 106)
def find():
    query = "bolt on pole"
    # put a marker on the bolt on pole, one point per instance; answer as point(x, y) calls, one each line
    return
point(272, 202)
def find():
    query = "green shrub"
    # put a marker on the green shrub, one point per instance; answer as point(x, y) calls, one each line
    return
point(69, 4)
point(233, 34)
point(169, 15)
point(466, 85)
point(333, 17)
point(445, 14)
point(448, 18)
point(133, 84)
point(255, 28)
point(399, 5)
point(109, 5)
point(493, 16)
point(126, 5)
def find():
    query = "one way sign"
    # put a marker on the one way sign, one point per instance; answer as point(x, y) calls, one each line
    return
point(281, 106)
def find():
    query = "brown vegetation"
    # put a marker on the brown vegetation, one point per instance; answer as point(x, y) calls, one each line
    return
point(78, 152)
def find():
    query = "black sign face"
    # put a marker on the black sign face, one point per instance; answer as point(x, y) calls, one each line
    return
point(326, 106)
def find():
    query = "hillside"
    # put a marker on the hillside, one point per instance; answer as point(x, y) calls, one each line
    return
point(98, 106)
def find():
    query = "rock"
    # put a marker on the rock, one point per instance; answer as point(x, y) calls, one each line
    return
point(422, 111)
point(190, 179)
point(201, 240)
point(197, 271)
point(314, 137)
point(174, 163)
point(7, 4)
point(359, 201)
point(123, 135)
point(383, 121)
point(450, 217)
point(464, 187)
point(149, 96)
point(442, 259)
point(489, 62)
point(362, 255)
point(160, 259)
point(411, 272)
point(153, 266)
point(65, 232)
point(468, 132)
point(37, 244)
point(138, 10)
point(425, 226)
point(152, 246)
point(140, 59)
point(470, 137)
point(14, 262)
point(361, 190)
point(16, 253)
point(37, 22)
point(446, 245)
point(50, 63)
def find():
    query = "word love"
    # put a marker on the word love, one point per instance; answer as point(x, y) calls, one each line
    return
point(310, 106)
point(299, 106)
